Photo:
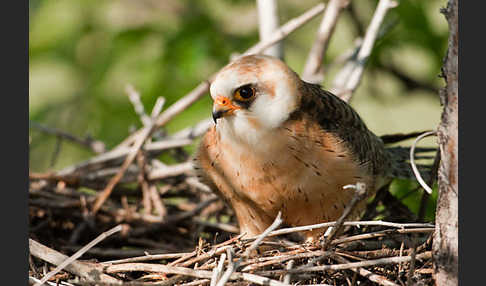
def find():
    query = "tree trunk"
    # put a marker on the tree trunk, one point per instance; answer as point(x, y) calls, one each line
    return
point(445, 243)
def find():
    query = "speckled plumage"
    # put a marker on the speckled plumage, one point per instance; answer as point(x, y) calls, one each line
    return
point(296, 162)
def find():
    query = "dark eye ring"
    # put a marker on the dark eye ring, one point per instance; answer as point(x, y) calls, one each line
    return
point(244, 93)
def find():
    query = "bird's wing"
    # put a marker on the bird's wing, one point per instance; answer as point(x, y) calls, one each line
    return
point(338, 118)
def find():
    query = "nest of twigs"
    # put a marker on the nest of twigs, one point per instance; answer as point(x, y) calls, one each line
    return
point(196, 243)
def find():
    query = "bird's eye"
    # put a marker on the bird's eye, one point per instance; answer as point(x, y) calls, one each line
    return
point(244, 93)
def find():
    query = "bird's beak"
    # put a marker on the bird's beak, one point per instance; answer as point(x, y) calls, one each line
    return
point(223, 106)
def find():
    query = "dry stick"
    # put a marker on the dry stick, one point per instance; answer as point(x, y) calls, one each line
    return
point(318, 50)
point(170, 171)
point(195, 131)
point(158, 204)
point(286, 29)
point(157, 109)
point(217, 249)
point(134, 97)
point(380, 234)
point(146, 258)
point(231, 268)
point(194, 182)
point(412, 161)
point(267, 24)
point(80, 252)
point(251, 265)
point(217, 270)
point(367, 274)
point(120, 153)
point(84, 270)
point(360, 194)
point(366, 263)
point(194, 95)
point(349, 77)
point(187, 272)
point(141, 180)
point(350, 223)
point(287, 276)
point(95, 145)
point(276, 223)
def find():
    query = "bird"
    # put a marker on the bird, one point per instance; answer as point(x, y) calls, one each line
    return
point(280, 144)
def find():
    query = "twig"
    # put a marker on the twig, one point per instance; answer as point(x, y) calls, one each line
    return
point(286, 29)
point(360, 194)
point(276, 223)
point(319, 48)
point(366, 263)
point(95, 145)
point(84, 270)
point(134, 97)
point(170, 171)
point(349, 77)
point(217, 270)
point(381, 234)
point(367, 274)
point(287, 276)
point(159, 104)
point(142, 182)
point(352, 223)
point(412, 161)
point(267, 24)
point(131, 267)
point(157, 202)
point(253, 265)
point(147, 257)
point(79, 253)
point(113, 156)
point(232, 266)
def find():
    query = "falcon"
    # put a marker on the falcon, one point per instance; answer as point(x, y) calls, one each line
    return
point(282, 144)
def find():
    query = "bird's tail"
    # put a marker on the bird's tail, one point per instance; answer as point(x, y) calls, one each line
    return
point(401, 166)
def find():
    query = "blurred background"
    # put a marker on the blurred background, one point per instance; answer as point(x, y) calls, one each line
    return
point(84, 53)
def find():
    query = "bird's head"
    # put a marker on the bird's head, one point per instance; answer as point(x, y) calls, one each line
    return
point(253, 95)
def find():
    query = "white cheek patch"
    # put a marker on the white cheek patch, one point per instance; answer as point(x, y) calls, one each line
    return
point(273, 111)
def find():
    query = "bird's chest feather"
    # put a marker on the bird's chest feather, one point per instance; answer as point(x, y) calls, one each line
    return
point(301, 172)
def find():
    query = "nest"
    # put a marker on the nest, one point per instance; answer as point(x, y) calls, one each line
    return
point(185, 235)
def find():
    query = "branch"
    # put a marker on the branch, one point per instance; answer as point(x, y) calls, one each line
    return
point(316, 55)
point(95, 145)
point(267, 24)
point(84, 270)
point(414, 166)
point(445, 245)
point(349, 77)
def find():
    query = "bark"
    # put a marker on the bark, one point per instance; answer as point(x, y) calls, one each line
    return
point(445, 243)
